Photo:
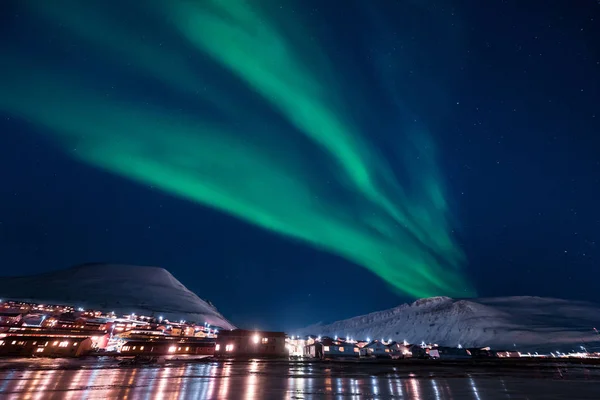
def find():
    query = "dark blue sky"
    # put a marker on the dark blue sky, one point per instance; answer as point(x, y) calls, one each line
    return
point(511, 91)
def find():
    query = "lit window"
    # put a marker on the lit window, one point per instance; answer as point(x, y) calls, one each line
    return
point(63, 344)
point(75, 344)
point(141, 347)
point(179, 349)
point(124, 348)
point(256, 339)
point(172, 349)
point(39, 349)
point(14, 342)
point(356, 349)
point(387, 350)
point(218, 347)
point(325, 348)
point(229, 347)
point(55, 343)
point(134, 347)
point(187, 349)
point(265, 340)
point(1, 342)
point(341, 349)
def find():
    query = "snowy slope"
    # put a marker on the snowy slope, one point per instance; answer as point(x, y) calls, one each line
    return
point(120, 288)
point(506, 322)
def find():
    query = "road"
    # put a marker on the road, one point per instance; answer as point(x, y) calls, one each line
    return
point(97, 379)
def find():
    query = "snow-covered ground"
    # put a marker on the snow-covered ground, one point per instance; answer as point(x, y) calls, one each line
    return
point(502, 322)
point(112, 287)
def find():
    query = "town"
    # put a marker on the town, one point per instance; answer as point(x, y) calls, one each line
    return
point(48, 330)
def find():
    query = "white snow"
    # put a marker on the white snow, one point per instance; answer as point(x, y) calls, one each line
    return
point(502, 322)
point(112, 287)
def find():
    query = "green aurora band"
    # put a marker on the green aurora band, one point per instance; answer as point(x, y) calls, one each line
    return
point(350, 205)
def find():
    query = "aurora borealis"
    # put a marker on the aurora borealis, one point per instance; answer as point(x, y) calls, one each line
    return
point(302, 164)
point(304, 161)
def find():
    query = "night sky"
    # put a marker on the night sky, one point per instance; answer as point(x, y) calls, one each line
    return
point(305, 161)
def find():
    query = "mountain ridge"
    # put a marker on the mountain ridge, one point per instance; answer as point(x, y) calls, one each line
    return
point(509, 322)
point(115, 287)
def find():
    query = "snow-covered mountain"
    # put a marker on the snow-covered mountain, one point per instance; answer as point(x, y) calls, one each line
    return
point(507, 322)
point(112, 287)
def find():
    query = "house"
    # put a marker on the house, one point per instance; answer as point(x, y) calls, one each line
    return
point(331, 348)
point(418, 351)
point(451, 353)
point(165, 346)
point(507, 354)
point(45, 346)
point(10, 318)
point(400, 350)
point(376, 349)
point(244, 343)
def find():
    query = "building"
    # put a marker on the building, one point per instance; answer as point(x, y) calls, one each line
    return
point(376, 349)
point(400, 350)
point(10, 317)
point(450, 353)
point(331, 348)
point(44, 344)
point(244, 343)
point(165, 346)
point(507, 354)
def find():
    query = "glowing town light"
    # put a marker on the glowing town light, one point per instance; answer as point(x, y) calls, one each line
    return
point(405, 342)
point(347, 339)
point(255, 339)
point(423, 343)
point(460, 346)
point(172, 349)
point(319, 338)
point(390, 340)
point(368, 339)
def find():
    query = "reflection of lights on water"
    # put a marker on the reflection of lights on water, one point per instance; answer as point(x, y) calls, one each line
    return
point(353, 386)
point(50, 377)
point(435, 389)
point(399, 387)
point(251, 384)
point(224, 383)
point(162, 382)
point(375, 386)
point(414, 385)
point(75, 383)
point(474, 388)
point(211, 382)
point(328, 386)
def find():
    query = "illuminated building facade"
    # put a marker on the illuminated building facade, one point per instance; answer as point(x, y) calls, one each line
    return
point(243, 343)
point(331, 348)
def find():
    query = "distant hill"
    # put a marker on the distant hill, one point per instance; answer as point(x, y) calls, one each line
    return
point(501, 322)
point(112, 287)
